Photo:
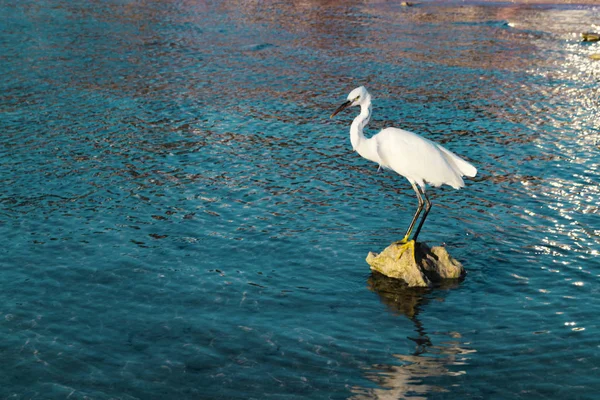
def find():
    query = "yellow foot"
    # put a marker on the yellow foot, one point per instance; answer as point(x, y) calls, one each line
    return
point(403, 246)
point(403, 241)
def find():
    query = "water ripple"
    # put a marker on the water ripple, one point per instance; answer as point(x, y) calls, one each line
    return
point(183, 219)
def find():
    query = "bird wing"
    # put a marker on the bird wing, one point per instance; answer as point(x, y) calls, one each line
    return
point(465, 168)
point(420, 160)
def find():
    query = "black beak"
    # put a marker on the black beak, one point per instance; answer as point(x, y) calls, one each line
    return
point(341, 108)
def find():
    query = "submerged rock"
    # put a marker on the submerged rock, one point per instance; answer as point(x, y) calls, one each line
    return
point(590, 37)
point(416, 264)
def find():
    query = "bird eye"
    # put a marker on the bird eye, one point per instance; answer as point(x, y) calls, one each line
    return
point(357, 97)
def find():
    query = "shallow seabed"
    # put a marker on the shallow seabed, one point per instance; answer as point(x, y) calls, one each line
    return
point(182, 220)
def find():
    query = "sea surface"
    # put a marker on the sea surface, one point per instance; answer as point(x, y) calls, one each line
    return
point(181, 219)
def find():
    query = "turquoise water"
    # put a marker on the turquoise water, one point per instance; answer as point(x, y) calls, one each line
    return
point(182, 220)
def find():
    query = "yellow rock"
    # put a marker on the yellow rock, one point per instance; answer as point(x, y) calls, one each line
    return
point(595, 56)
point(416, 264)
point(590, 37)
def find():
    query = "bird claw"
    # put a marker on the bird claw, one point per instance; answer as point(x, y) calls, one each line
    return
point(404, 245)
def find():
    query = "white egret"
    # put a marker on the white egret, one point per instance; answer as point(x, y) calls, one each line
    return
point(418, 159)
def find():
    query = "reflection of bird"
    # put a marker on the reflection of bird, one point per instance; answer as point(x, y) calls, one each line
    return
point(407, 301)
point(417, 159)
point(404, 379)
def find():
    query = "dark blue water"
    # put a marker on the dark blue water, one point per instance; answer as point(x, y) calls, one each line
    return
point(180, 218)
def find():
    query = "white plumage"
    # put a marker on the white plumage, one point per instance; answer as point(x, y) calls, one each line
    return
point(421, 160)
point(418, 159)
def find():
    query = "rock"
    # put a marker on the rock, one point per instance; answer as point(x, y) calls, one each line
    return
point(399, 261)
point(406, 4)
point(440, 264)
point(416, 264)
point(595, 56)
point(590, 37)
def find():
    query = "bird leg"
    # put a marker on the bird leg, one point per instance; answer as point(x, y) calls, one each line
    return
point(427, 208)
point(415, 217)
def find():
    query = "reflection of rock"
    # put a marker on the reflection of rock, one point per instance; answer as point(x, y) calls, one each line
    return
point(416, 264)
point(590, 37)
point(396, 295)
point(401, 298)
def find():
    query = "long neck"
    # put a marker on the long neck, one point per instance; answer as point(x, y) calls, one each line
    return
point(356, 129)
point(360, 143)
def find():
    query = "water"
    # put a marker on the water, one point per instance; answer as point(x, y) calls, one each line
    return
point(182, 220)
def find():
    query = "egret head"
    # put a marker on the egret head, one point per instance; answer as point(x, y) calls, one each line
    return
point(355, 98)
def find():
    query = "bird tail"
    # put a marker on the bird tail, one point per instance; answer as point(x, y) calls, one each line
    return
point(462, 167)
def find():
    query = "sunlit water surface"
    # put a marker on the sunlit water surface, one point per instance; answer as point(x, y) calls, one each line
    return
point(180, 218)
